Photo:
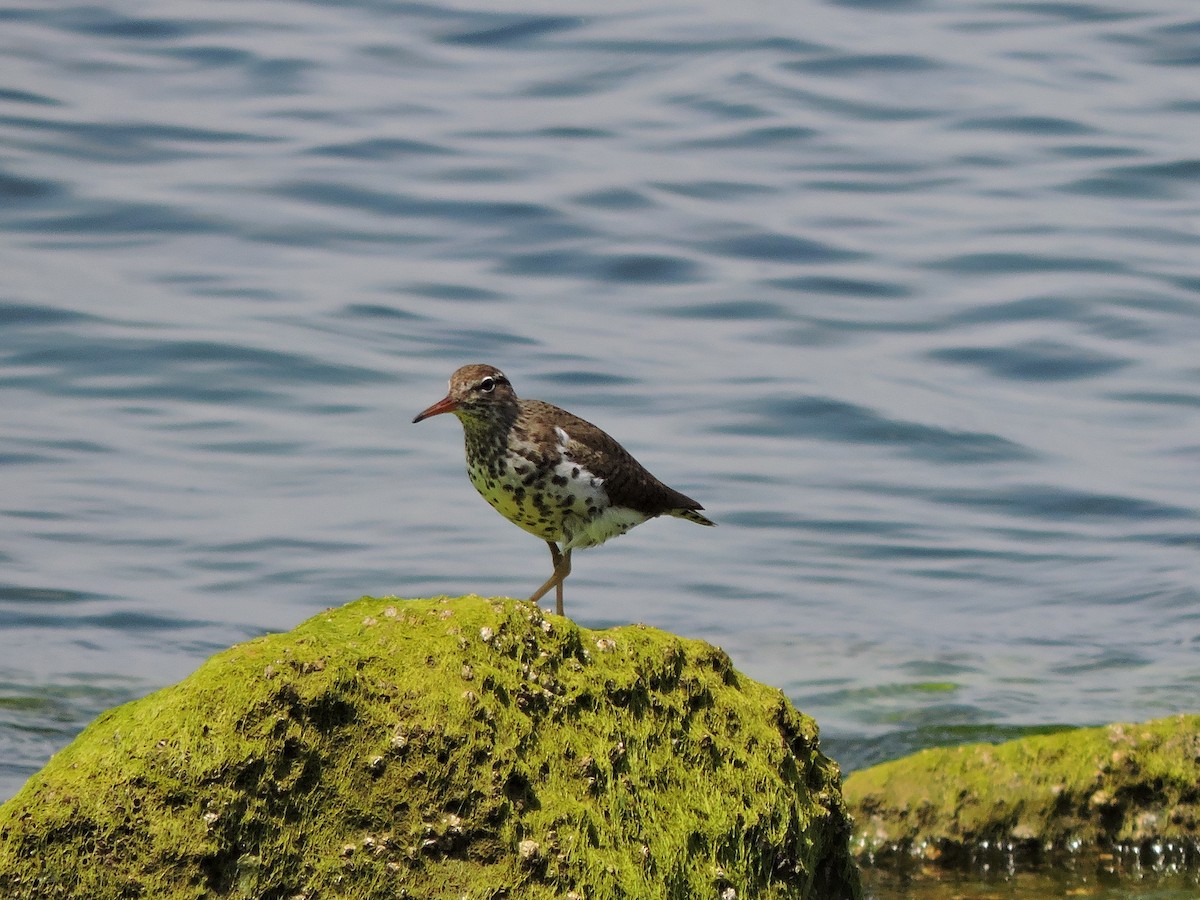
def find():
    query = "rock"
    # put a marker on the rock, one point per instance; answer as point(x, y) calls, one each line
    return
point(437, 748)
point(1119, 789)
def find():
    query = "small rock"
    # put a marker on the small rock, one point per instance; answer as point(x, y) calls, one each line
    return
point(528, 850)
point(1101, 799)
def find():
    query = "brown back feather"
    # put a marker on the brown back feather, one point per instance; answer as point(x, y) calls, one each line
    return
point(627, 482)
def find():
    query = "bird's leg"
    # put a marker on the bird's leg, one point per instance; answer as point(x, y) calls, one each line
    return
point(562, 568)
point(558, 588)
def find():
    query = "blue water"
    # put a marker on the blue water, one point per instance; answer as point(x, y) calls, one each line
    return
point(906, 293)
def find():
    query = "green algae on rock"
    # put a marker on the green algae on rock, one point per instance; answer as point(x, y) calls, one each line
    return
point(1115, 790)
point(440, 748)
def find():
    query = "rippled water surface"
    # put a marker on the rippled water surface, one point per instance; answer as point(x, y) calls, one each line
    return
point(906, 293)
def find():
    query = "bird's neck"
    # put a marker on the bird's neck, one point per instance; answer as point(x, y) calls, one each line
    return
point(487, 435)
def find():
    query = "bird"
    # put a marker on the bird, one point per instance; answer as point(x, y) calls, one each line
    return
point(551, 473)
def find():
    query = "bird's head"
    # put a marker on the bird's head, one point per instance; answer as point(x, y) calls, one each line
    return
point(477, 392)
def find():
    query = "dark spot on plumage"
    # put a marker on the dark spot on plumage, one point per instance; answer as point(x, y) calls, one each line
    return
point(529, 479)
point(575, 472)
point(560, 480)
point(518, 493)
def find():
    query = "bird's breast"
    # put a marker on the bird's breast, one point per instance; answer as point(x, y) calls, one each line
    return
point(556, 500)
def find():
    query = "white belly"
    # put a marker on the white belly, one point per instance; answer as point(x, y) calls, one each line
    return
point(611, 521)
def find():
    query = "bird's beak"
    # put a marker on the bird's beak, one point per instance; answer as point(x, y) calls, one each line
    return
point(445, 405)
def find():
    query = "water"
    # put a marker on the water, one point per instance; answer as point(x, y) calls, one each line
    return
point(906, 293)
point(1023, 885)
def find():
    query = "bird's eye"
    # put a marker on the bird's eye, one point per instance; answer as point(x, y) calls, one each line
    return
point(487, 385)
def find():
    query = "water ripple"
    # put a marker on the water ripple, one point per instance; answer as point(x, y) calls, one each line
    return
point(834, 420)
point(175, 370)
point(110, 222)
point(1036, 361)
point(751, 138)
point(851, 64)
point(841, 286)
point(635, 268)
point(411, 206)
point(19, 314)
point(996, 263)
point(96, 21)
point(9, 95)
point(517, 30)
point(381, 149)
point(14, 189)
point(1031, 125)
point(127, 143)
point(781, 248)
point(1054, 503)
point(1159, 181)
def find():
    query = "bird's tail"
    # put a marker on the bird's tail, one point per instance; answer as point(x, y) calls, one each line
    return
point(691, 515)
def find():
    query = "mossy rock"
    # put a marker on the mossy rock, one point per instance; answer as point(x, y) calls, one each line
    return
point(440, 748)
point(1116, 790)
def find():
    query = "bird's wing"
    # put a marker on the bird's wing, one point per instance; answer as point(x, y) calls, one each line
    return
point(626, 481)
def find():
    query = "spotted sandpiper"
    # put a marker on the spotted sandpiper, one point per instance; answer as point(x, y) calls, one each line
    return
point(550, 472)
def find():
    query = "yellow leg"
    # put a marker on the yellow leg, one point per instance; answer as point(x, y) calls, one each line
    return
point(562, 568)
